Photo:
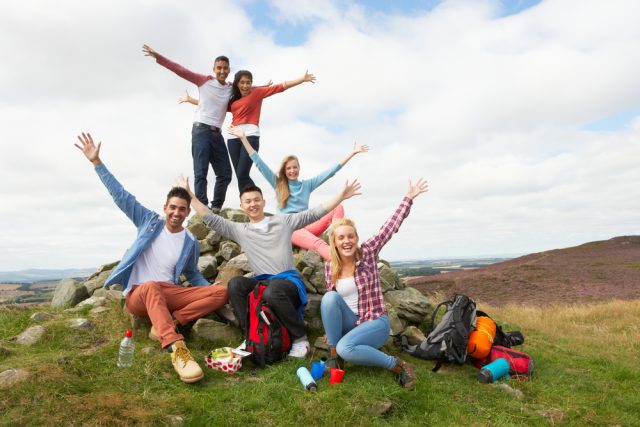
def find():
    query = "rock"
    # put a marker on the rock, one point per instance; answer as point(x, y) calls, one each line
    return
point(5, 352)
point(310, 259)
point(205, 247)
point(312, 309)
point(138, 322)
point(397, 324)
point(31, 335)
point(512, 391)
point(197, 227)
point(214, 239)
point(41, 316)
point(226, 273)
point(226, 314)
point(318, 282)
point(414, 335)
point(320, 344)
point(116, 287)
point(74, 309)
point(110, 295)
point(80, 323)
point(228, 250)
point(380, 408)
point(211, 330)
point(388, 278)
point(174, 420)
point(99, 310)
point(96, 282)
point(94, 301)
point(208, 266)
point(12, 376)
point(235, 215)
point(68, 293)
point(240, 262)
point(106, 267)
point(409, 304)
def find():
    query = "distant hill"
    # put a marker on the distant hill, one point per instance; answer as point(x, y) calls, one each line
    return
point(37, 275)
point(590, 272)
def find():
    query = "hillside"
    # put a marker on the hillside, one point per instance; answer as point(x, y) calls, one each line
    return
point(596, 271)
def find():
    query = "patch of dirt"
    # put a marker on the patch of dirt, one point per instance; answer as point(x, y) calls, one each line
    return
point(592, 272)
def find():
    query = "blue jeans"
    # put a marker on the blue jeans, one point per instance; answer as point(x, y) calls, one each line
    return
point(355, 344)
point(241, 161)
point(208, 148)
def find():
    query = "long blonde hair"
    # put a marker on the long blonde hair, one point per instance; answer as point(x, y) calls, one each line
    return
point(282, 183)
point(336, 263)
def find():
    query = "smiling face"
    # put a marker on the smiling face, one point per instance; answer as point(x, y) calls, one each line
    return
point(176, 211)
point(252, 203)
point(292, 169)
point(221, 70)
point(345, 240)
point(244, 85)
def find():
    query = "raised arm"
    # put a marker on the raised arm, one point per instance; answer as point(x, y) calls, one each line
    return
point(148, 51)
point(122, 198)
point(239, 133)
point(417, 189)
point(353, 152)
point(195, 78)
point(347, 192)
point(306, 77)
point(200, 208)
point(188, 98)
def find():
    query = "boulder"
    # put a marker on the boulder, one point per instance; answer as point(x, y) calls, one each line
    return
point(41, 316)
point(68, 293)
point(235, 215)
point(12, 376)
point(96, 282)
point(311, 312)
point(110, 295)
point(211, 330)
point(320, 344)
point(414, 335)
point(309, 259)
point(103, 268)
point(226, 314)
point(93, 301)
point(99, 310)
point(197, 227)
point(80, 323)
point(31, 335)
point(228, 250)
point(397, 325)
point(318, 282)
point(116, 287)
point(240, 262)
point(208, 266)
point(409, 304)
point(214, 238)
point(228, 272)
point(205, 247)
point(388, 278)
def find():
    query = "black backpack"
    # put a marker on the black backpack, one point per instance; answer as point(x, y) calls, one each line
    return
point(447, 341)
point(267, 339)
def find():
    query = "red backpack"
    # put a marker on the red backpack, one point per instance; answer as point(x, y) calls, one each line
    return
point(267, 339)
point(520, 364)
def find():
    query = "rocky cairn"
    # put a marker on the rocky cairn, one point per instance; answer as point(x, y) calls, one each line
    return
point(222, 259)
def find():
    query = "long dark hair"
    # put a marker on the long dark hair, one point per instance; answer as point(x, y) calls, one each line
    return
point(236, 79)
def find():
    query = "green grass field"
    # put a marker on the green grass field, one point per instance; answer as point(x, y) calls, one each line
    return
point(586, 374)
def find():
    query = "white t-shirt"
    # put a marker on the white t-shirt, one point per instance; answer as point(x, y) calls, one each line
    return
point(348, 290)
point(158, 262)
point(262, 225)
point(212, 106)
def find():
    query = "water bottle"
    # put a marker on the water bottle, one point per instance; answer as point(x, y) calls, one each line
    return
point(127, 347)
point(307, 380)
point(494, 371)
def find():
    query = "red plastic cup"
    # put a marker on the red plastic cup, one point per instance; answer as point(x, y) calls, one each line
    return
point(335, 376)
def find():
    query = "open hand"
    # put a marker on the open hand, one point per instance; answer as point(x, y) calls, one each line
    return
point(146, 49)
point(235, 131)
point(183, 182)
point(88, 148)
point(418, 188)
point(351, 189)
point(308, 77)
point(360, 149)
point(184, 98)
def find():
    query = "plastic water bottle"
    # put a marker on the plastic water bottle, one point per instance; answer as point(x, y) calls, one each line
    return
point(307, 380)
point(127, 347)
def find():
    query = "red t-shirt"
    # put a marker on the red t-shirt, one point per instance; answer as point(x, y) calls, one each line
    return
point(246, 110)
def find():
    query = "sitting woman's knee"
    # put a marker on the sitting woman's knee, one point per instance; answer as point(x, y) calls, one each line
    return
point(329, 299)
point(344, 349)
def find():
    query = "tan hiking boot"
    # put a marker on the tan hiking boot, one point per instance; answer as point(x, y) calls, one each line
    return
point(188, 369)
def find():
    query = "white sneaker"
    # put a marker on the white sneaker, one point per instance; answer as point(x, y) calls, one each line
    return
point(300, 348)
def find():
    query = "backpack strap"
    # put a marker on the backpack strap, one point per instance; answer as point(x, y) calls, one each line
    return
point(435, 311)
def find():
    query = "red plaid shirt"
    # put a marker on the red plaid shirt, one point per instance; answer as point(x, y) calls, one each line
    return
point(370, 300)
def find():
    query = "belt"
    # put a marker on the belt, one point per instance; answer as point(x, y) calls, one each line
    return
point(213, 128)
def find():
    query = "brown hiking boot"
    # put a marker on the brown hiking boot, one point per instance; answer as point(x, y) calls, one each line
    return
point(188, 369)
point(405, 375)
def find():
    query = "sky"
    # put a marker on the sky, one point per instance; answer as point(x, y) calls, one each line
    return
point(524, 116)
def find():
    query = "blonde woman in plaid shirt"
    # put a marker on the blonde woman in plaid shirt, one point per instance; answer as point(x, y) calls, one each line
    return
point(353, 311)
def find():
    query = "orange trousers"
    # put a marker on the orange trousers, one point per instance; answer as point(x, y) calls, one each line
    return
point(162, 302)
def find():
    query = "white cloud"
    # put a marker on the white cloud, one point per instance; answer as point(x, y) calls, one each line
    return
point(488, 109)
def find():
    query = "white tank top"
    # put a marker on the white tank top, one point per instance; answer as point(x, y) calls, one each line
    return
point(348, 290)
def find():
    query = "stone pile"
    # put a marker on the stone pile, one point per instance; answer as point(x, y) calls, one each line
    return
point(222, 259)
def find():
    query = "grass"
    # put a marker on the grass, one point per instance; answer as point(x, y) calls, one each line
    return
point(586, 374)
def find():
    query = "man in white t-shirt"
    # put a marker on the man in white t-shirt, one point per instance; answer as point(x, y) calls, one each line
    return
point(151, 269)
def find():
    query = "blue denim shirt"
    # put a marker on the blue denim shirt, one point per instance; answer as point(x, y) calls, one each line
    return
point(149, 225)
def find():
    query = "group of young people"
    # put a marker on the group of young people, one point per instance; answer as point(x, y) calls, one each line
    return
point(353, 310)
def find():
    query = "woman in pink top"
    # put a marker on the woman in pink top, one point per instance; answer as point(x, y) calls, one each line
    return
point(245, 105)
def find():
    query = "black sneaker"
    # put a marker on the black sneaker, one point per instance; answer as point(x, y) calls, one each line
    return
point(406, 377)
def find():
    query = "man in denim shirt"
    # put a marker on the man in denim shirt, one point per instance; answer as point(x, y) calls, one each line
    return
point(150, 270)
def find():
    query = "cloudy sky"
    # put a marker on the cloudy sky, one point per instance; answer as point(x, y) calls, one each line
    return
point(524, 116)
